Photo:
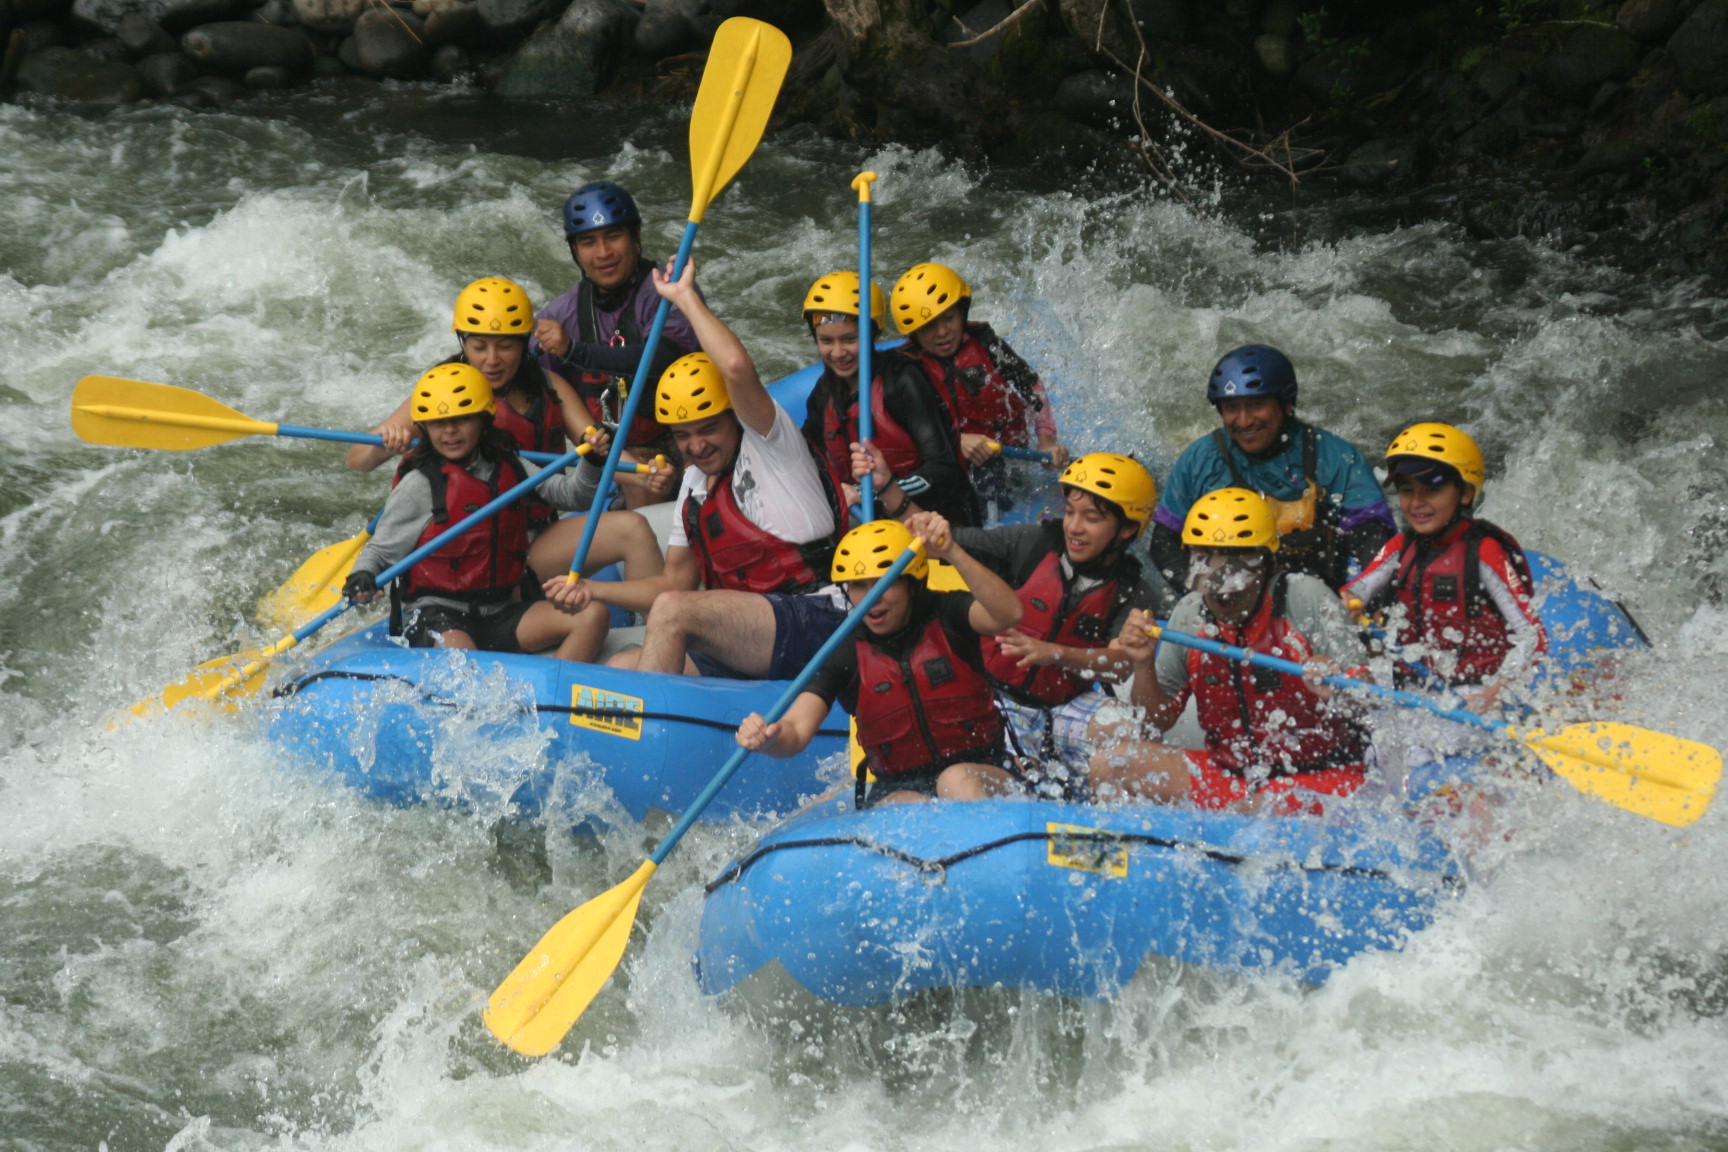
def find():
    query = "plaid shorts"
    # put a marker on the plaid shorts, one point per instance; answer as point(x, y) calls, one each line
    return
point(1059, 733)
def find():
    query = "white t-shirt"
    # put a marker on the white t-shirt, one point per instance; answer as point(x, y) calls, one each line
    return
point(775, 483)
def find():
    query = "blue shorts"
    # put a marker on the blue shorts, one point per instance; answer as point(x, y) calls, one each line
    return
point(802, 624)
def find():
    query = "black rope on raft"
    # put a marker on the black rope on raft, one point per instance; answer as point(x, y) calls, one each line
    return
point(934, 870)
point(292, 687)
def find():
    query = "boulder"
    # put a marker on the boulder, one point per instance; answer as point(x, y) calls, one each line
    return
point(174, 15)
point(389, 44)
point(571, 57)
point(1097, 97)
point(74, 75)
point(334, 16)
point(1700, 49)
point(142, 35)
point(1274, 54)
point(1381, 163)
point(267, 78)
point(450, 63)
point(278, 12)
point(164, 72)
point(107, 48)
point(1612, 156)
point(238, 46)
point(1584, 60)
point(457, 23)
point(664, 28)
point(513, 18)
point(1649, 21)
point(209, 92)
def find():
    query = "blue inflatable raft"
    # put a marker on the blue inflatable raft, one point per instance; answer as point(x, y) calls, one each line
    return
point(864, 907)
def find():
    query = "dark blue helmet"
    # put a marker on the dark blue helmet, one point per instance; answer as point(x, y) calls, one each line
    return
point(1252, 370)
point(599, 205)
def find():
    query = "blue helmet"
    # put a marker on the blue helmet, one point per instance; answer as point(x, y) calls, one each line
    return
point(1252, 370)
point(599, 205)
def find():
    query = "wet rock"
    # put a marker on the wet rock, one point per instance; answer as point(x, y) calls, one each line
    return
point(1590, 55)
point(665, 26)
point(279, 12)
point(1380, 164)
point(173, 15)
point(267, 78)
point(107, 48)
point(164, 72)
point(1651, 21)
point(1700, 49)
point(511, 18)
point(209, 92)
point(455, 23)
point(1613, 156)
point(451, 62)
point(142, 35)
point(1500, 71)
point(1097, 97)
point(329, 15)
point(571, 57)
point(1708, 121)
point(40, 34)
point(388, 43)
point(1098, 22)
point(238, 46)
point(974, 22)
point(1274, 54)
point(73, 75)
point(1161, 19)
point(325, 65)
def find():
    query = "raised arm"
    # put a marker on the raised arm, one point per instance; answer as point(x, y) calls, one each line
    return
point(750, 400)
point(995, 606)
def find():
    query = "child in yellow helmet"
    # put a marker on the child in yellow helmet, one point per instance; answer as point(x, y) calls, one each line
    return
point(914, 677)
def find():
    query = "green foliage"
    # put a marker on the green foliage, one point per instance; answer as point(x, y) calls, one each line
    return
point(1344, 57)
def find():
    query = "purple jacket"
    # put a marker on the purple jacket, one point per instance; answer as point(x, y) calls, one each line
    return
point(596, 351)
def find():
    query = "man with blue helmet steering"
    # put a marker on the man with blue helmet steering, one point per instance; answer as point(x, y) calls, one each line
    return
point(1332, 515)
point(594, 333)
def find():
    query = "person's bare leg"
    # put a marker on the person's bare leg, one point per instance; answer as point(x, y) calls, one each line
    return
point(456, 638)
point(1140, 769)
point(578, 637)
point(736, 628)
point(622, 537)
point(974, 782)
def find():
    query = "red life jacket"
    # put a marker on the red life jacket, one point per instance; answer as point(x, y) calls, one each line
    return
point(1047, 614)
point(1446, 610)
point(1263, 723)
point(739, 554)
point(892, 441)
point(925, 710)
point(485, 564)
point(540, 429)
point(985, 386)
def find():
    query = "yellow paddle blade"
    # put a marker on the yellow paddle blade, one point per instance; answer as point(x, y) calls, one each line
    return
point(221, 680)
point(1651, 774)
point(314, 587)
point(138, 414)
point(538, 1002)
point(944, 577)
point(740, 83)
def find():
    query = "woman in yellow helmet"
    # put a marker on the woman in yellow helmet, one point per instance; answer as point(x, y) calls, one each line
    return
point(914, 677)
point(1457, 587)
point(469, 594)
point(1271, 740)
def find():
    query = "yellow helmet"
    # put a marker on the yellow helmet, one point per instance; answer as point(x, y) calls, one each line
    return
point(451, 390)
point(923, 293)
point(494, 307)
point(691, 389)
point(1231, 518)
point(871, 549)
point(1440, 444)
point(837, 292)
point(1119, 479)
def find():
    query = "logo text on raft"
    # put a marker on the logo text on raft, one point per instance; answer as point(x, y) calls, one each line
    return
point(608, 712)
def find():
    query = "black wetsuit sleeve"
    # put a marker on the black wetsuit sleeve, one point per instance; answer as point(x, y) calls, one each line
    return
point(1165, 545)
point(940, 482)
point(837, 679)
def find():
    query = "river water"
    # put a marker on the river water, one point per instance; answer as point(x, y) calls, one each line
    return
point(203, 948)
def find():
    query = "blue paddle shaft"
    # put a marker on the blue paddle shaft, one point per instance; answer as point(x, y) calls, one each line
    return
point(1014, 453)
point(559, 463)
point(302, 433)
point(1346, 683)
point(639, 385)
point(842, 635)
point(866, 487)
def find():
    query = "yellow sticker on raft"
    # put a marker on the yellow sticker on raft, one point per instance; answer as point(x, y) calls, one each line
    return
point(604, 711)
point(1087, 850)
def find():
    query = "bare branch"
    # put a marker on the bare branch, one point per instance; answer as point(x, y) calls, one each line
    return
point(1007, 20)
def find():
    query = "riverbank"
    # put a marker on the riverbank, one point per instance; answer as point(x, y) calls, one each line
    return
point(1603, 126)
